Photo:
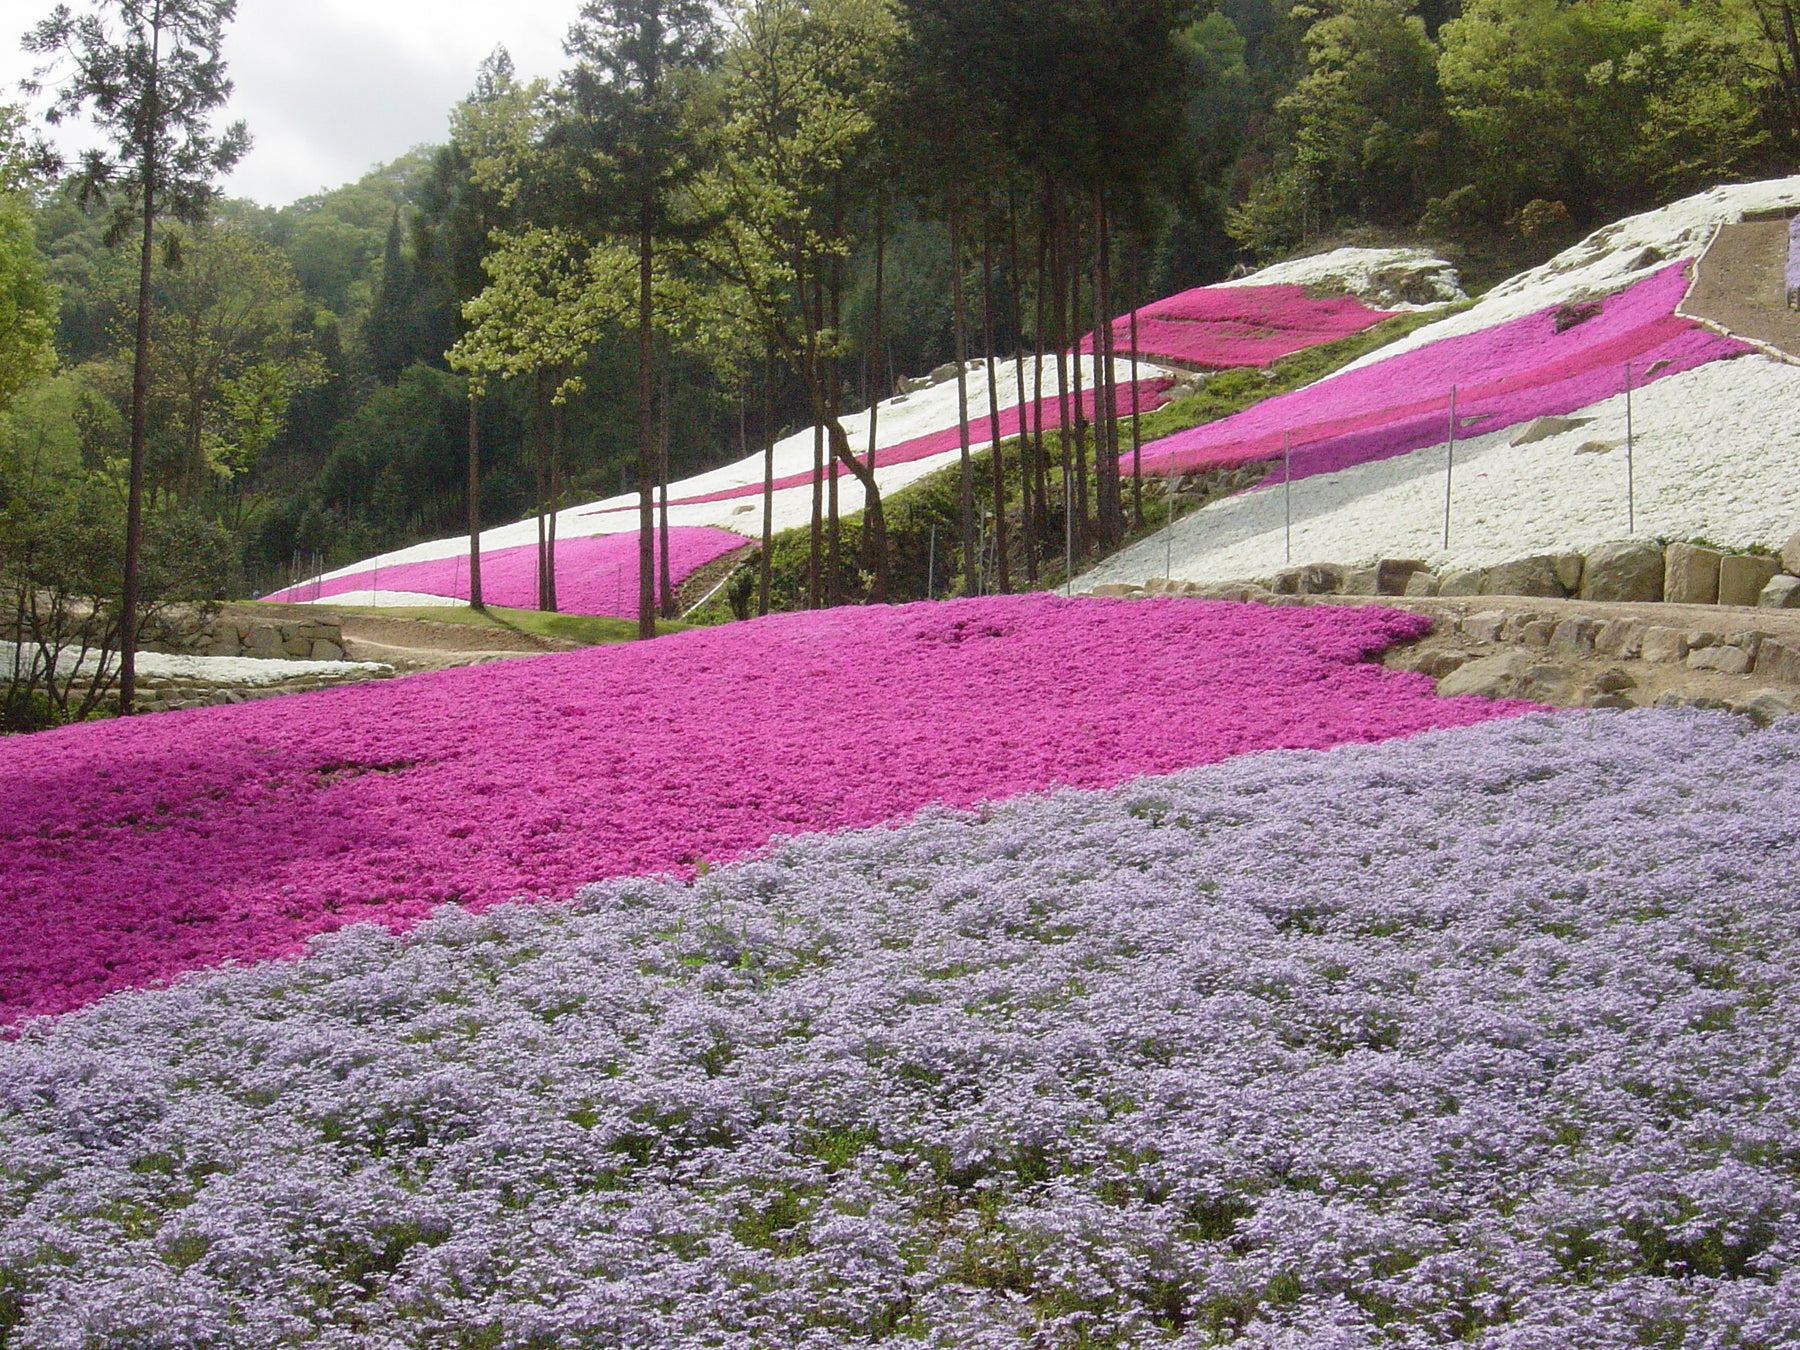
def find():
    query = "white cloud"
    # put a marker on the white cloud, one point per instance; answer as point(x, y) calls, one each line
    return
point(331, 88)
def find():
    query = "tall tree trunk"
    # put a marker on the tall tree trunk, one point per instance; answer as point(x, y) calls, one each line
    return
point(814, 377)
point(646, 467)
point(959, 317)
point(140, 393)
point(474, 504)
point(1027, 460)
point(556, 455)
point(873, 558)
point(1074, 247)
point(1060, 336)
point(541, 478)
point(1041, 338)
point(666, 597)
point(765, 572)
point(1002, 580)
point(834, 568)
point(1137, 421)
point(1106, 396)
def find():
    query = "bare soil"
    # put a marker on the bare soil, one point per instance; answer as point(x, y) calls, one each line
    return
point(1740, 285)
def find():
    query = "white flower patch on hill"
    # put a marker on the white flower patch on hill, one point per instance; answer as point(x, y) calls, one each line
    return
point(1709, 462)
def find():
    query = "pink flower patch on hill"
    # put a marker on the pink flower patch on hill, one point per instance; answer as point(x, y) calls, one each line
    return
point(595, 575)
point(1152, 394)
point(1539, 365)
point(1216, 327)
point(131, 851)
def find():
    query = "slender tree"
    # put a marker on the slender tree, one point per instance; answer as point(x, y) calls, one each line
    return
point(148, 74)
point(627, 122)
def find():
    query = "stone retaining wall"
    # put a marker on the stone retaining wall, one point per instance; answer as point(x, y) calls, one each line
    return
point(319, 638)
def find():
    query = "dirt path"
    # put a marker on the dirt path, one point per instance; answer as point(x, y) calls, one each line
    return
point(1740, 285)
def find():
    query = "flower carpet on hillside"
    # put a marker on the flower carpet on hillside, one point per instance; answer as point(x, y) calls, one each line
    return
point(1482, 1038)
point(130, 851)
point(1548, 363)
point(1218, 327)
point(595, 575)
point(1152, 394)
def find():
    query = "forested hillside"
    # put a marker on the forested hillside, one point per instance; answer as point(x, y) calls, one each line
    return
point(309, 403)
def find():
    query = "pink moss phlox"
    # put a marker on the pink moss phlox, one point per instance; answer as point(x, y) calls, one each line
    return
point(131, 851)
point(1152, 394)
point(595, 575)
point(1223, 326)
point(1504, 375)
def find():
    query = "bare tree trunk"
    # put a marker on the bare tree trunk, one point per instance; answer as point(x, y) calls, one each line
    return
point(666, 597)
point(1001, 578)
point(646, 467)
point(541, 477)
point(1106, 394)
point(1060, 337)
point(813, 376)
point(1027, 502)
point(140, 398)
point(876, 561)
point(1137, 422)
point(960, 320)
point(1080, 413)
point(474, 504)
point(1042, 333)
point(556, 449)
point(766, 570)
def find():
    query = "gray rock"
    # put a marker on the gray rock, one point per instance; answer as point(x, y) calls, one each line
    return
point(1511, 675)
point(1110, 590)
point(1569, 569)
point(1465, 582)
point(1528, 576)
point(1730, 660)
point(296, 649)
point(1618, 701)
point(1574, 634)
point(1513, 630)
point(1439, 664)
point(1790, 554)
point(1321, 579)
point(262, 641)
point(1742, 577)
point(1597, 447)
point(1778, 661)
point(323, 650)
point(1421, 584)
point(1497, 676)
point(1394, 574)
point(1620, 637)
point(1764, 706)
point(1613, 681)
point(1543, 428)
point(1483, 626)
point(1363, 581)
point(1782, 592)
point(1537, 633)
point(1628, 570)
point(1691, 575)
point(1664, 644)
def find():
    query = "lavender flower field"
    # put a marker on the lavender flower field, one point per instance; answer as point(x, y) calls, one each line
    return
point(1484, 1037)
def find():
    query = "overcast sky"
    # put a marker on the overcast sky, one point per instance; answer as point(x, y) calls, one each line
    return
point(331, 88)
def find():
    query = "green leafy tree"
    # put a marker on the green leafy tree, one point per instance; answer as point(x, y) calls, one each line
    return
point(27, 303)
point(627, 144)
point(148, 74)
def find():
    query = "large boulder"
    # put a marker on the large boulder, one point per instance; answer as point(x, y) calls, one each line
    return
point(1742, 577)
point(1629, 569)
point(1393, 575)
point(1528, 576)
point(1790, 554)
point(1782, 592)
point(1691, 574)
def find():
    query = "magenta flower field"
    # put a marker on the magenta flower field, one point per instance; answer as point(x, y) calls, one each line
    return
point(1504, 375)
point(1217, 327)
point(595, 575)
point(1152, 394)
point(131, 851)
